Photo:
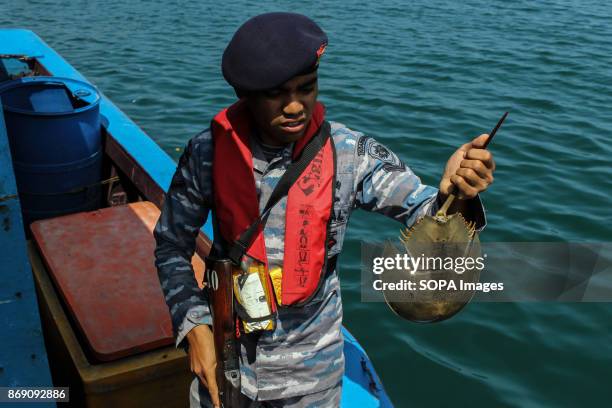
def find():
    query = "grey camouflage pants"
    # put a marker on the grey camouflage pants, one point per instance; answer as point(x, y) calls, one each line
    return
point(330, 398)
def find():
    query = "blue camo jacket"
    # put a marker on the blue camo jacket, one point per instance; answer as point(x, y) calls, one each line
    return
point(304, 354)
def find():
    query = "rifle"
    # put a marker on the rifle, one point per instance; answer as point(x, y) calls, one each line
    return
point(221, 298)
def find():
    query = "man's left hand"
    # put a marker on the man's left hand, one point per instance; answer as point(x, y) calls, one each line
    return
point(470, 170)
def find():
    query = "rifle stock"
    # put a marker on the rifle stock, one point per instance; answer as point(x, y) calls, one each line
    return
point(221, 298)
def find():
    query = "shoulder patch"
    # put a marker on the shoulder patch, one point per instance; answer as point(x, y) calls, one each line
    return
point(374, 149)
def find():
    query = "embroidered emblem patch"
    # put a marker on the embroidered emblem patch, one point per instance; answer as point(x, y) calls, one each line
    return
point(379, 152)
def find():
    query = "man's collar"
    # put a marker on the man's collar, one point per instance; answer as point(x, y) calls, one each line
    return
point(260, 164)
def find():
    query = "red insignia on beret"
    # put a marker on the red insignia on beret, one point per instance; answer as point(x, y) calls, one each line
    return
point(320, 51)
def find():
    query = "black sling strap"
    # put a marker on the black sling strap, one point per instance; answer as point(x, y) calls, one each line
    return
point(295, 169)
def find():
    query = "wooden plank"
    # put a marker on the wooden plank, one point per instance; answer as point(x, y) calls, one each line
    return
point(156, 378)
point(103, 267)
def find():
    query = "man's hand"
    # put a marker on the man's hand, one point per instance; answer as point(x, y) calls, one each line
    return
point(470, 170)
point(203, 360)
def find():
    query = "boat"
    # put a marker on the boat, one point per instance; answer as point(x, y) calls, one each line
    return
point(58, 323)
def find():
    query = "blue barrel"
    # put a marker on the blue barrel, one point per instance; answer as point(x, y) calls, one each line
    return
point(53, 126)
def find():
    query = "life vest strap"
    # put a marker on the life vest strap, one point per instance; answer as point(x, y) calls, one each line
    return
point(293, 172)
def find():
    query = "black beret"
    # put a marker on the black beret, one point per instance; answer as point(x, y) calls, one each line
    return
point(269, 49)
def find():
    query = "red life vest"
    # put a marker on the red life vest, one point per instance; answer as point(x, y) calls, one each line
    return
point(309, 201)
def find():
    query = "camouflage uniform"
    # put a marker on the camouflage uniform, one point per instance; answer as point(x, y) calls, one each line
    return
point(304, 354)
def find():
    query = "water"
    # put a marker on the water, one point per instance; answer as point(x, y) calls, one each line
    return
point(422, 78)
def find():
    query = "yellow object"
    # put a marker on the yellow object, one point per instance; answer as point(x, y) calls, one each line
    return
point(252, 292)
point(276, 275)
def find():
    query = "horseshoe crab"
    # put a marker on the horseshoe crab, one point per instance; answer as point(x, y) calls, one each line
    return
point(435, 241)
point(438, 289)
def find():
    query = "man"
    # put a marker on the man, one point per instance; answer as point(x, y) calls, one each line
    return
point(272, 63)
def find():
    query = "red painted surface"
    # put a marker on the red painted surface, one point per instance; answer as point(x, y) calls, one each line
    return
point(102, 263)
